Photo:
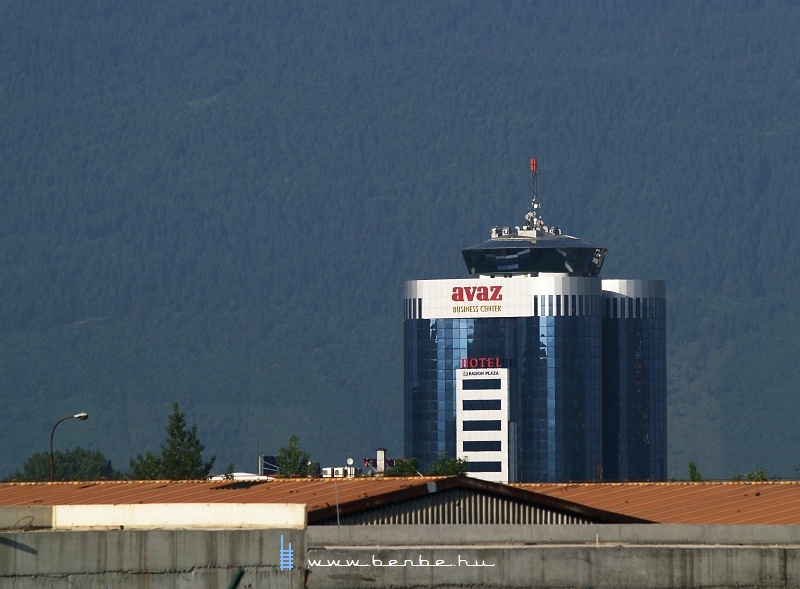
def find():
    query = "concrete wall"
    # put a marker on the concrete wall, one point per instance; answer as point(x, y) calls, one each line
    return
point(632, 556)
point(406, 556)
point(393, 535)
point(16, 518)
point(560, 566)
point(149, 559)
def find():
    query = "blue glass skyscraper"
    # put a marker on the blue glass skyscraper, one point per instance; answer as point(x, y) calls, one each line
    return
point(537, 370)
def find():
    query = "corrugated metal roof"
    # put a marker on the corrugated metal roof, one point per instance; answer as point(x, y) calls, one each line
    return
point(465, 506)
point(316, 493)
point(675, 503)
point(323, 497)
point(768, 503)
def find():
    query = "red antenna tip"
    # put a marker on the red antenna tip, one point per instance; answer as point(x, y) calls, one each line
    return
point(533, 164)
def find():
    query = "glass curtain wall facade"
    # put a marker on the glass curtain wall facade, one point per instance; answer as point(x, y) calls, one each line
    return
point(553, 357)
point(634, 381)
point(586, 390)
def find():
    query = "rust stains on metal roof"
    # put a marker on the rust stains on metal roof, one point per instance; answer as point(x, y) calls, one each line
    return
point(312, 492)
point(669, 503)
point(323, 497)
point(763, 503)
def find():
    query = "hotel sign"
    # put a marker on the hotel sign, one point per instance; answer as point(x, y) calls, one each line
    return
point(487, 362)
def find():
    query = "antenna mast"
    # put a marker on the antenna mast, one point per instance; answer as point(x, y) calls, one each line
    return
point(533, 217)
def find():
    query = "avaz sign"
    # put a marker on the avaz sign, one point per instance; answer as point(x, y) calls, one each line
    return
point(477, 293)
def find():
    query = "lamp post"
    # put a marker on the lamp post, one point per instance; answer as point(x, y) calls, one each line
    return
point(81, 416)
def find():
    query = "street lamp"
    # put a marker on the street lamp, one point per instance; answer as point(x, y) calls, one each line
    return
point(81, 416)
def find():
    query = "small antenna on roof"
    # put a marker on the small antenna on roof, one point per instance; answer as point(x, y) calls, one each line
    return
point(534, 218)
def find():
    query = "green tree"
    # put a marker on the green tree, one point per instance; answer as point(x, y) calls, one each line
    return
point(448, 466)
point(403, 467)
point(78, 464)
point(146, 467)
point(181, 458)
point(694, 474)
point(292, 460)
point(756, 476)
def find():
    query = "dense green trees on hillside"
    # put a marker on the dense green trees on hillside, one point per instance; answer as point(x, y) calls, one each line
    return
point(218, 204)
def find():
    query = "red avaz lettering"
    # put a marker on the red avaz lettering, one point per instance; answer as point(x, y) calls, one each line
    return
point(477, 293)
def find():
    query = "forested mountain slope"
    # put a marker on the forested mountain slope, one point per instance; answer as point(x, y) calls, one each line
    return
point(218, 203)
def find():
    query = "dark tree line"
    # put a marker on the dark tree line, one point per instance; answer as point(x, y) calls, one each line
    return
point(181, 458)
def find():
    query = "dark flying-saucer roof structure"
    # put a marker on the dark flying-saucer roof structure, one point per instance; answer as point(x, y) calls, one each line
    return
point(534, 248)
point(558, 254)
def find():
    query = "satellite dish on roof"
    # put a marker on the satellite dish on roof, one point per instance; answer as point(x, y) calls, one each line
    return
point(349, 462)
